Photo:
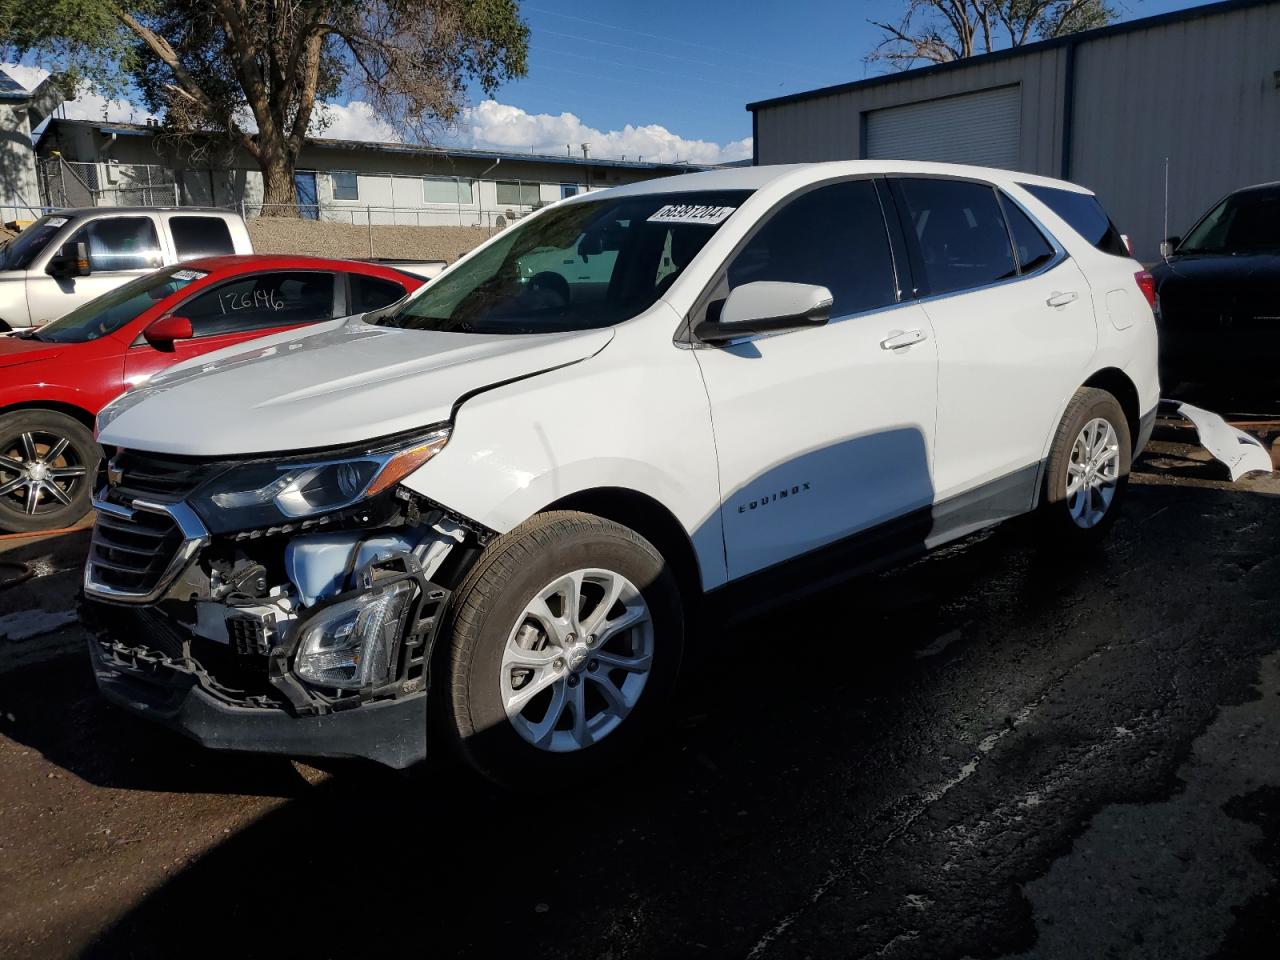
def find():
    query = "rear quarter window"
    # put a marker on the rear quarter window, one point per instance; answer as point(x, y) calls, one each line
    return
point(200, 237)
point(1084, 214)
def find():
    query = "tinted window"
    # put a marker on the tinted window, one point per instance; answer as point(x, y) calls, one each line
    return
point(833, 236)
point(120, 243)
point(17, 252)
point(371, 293)
point(1033, 250)
point(1084, 214)
point(1244, 222)
point(576, 266)
point(959, 232)
point(346, 185)
point(200, 237)
point(260, 301)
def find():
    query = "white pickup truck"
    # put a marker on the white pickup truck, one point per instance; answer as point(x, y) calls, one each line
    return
point(70, 257)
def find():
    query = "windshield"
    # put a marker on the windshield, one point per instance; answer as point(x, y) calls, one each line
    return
point(113, 310)
point(18, 252)
point(586, 264)
point(1246, 222)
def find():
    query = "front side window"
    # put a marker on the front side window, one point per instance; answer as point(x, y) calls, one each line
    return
point(1246, 222)
point(1084, 214)
point(833, 236)
point(261, 301)
point(958, 233)
point(579, 266)
point(111, 311)
point(120, 243)
point(1033, 250)
point(346, 185)
point(200, 237)
point(511, 193)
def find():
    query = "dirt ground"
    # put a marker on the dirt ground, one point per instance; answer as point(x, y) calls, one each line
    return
point(992, 752)
point(326, 239)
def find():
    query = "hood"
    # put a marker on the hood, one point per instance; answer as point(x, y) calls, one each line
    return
point(15, 350)
point(1199, 288)
point(341, 385)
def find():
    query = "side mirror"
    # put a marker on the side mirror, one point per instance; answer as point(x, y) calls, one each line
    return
point(1168, 245)
point(166, 330)
point(71, 261)
point(767, 306)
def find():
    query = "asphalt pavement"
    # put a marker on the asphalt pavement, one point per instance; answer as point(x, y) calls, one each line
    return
point(992, 752)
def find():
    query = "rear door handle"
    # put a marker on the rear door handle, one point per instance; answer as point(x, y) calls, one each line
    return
point(897, 340)
point(1057, 299)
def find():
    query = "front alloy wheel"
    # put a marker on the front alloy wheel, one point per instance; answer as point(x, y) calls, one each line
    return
point(563, 644)
point(47, 462)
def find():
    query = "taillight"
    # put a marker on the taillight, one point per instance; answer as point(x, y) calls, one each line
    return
point(1147, 284)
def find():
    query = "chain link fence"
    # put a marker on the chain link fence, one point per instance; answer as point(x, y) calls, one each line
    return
point(66, 183)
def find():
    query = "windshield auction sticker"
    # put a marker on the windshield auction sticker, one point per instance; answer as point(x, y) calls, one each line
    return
point(56, 221)
point(692, 213)
point(188, 275)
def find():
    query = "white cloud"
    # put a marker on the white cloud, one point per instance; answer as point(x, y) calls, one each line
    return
point(493, 124)
point(86, 106)
point(354, 121)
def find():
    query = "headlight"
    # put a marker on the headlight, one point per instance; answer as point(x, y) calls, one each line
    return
point(261, 494)
point(353, 644)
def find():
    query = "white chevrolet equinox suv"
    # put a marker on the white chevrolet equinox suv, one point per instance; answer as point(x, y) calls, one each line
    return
point(491, 510)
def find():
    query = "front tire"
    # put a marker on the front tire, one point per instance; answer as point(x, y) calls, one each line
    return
point(1088, 469)
point(47, 465)
point(564, 644)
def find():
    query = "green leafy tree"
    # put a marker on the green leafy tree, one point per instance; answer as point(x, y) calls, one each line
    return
point(938, 31)
point(255, 73)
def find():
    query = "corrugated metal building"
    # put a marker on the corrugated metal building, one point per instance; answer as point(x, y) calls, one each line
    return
point(1102, 108)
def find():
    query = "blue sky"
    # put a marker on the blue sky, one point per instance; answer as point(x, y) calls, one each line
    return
point(663, 79)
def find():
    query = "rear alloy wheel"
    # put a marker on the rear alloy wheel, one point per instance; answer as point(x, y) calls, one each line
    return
point(47, 464)
point(563, 644)
point(1088, 468)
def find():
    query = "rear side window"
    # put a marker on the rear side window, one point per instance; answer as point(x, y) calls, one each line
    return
point(261, 301)
point(958, 231)
point(372, 293)
point(833, 236)
point(1084, 214)
point(1033, 250)
point(120, 243)
point(200, 237)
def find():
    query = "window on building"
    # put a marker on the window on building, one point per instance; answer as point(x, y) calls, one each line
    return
point(120, 243)
point(568, 190)
point(1084, 214)
point(452, 190)
point(200, 237)
point(1033, 250)
point(959, 233)
point(372, 293)
point(512, 193)
point(833, 236)
point(261, 301)
point(346, 185)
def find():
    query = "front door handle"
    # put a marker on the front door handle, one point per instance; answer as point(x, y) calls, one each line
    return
point(898, 339)
point(1057, 299)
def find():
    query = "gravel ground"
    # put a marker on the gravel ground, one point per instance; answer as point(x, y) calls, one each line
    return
point(325, 239)
point(989, 753)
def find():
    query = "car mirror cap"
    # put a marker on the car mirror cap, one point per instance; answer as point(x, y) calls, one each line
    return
point(164, 332)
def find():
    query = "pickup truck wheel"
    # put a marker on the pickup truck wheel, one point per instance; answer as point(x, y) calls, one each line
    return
point(565, 643)
point(47, 466)
point(1088, 469)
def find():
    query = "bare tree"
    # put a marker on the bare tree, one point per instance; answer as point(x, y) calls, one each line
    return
point(939, 31)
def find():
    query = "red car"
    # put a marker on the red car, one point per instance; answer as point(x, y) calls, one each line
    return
point(55, 379)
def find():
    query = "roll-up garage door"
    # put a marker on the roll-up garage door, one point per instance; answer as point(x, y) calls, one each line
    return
point(979, 128)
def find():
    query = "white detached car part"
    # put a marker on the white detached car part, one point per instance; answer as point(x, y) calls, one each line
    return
point(507, 493)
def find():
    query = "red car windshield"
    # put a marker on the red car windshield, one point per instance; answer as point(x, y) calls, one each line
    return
point(111, 311)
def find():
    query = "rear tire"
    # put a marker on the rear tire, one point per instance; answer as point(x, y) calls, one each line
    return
point(1087, 473)
point(545, 682)
point(48, 462)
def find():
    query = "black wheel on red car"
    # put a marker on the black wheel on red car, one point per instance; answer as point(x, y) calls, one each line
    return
point(47, 465)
